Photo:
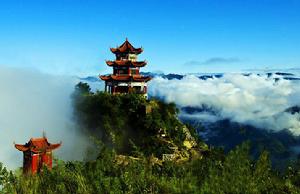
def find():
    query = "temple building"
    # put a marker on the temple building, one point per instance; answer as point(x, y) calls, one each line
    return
point(36, 154)
point(126, 77)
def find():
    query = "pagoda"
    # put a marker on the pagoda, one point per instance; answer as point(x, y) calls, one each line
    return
point(126, 77)
point(36, 154)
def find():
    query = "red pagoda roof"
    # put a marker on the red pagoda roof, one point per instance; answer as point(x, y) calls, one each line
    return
point(126, 47)
point(125, 78)
point(37, 145)
point(126, 63)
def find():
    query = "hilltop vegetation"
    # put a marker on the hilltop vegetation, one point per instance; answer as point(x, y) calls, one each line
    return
point(133, 134)
point(130, 123)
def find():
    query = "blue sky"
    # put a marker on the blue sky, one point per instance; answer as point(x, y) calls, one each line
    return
point(179, 36)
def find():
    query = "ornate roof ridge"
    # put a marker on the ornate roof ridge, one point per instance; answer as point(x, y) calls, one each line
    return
point(37, 145)
point(125, 77)
point(126, 47)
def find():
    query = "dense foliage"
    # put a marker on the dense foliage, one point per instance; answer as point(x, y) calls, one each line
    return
point(127, 121)
point(122, 125)
point(215, 173)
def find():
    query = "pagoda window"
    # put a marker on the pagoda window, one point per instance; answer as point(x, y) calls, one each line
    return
point(132, 57)
point(122, 56)
point(123, 72)
point(134, 71)
point(121, 89)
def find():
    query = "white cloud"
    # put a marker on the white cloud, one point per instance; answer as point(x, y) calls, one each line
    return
point(32, 102)
point(256, 100)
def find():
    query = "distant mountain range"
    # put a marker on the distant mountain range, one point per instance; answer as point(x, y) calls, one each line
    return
point(283, 146)
point(205, 76)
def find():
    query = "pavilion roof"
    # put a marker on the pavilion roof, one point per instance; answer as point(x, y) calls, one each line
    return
point(126, 63)
point(37, 145)
point(126, 47)
point(137, 78)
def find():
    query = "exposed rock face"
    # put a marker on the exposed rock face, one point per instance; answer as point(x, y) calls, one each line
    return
point(189, 141)
point(189, 150)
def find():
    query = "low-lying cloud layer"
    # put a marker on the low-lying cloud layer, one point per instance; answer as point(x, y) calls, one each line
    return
point(260, 101)
point(32, 102)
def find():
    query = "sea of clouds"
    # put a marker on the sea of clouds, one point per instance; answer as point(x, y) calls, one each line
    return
point(257, 100)
point(31, 103)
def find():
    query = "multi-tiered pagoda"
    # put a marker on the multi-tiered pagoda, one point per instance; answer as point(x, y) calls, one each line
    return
point(126, 77)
